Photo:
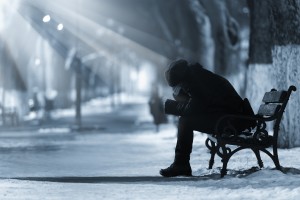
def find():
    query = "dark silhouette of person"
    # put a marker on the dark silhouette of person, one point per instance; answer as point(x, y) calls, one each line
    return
point(201, 99)
point(35, 104)
point(157, 108)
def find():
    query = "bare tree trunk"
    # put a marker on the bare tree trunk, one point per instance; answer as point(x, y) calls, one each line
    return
point(225, 31)
point(205, 41)
point(274, 58)
point(178, 27)
point(260, 57)
point(260, 35)
point(286, 49)
point(186, 28)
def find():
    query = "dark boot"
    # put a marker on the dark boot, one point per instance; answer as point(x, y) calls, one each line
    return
point(180, 167)
point(176, 170)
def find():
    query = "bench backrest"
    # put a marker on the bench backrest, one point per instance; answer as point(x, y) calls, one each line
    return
point(274, 103)
point(273, 108)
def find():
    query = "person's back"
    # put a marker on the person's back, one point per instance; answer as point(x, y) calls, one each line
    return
point(212, 91)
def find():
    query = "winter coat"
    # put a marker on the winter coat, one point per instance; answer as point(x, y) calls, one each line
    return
point(204, 92)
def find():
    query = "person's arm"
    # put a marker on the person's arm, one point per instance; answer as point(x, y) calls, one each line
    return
point(178, 108)
point(183, 108)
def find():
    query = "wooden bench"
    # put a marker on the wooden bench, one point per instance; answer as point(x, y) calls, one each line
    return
point(257, 139)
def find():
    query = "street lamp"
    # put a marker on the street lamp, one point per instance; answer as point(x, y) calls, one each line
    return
point(46, 18)
point(60, 27)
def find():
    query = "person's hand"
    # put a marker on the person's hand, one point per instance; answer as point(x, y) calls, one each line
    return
point(181, 97)
point(177, 108)
point(180, 94)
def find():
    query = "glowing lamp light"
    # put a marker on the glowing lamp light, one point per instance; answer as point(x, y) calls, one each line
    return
point(133, 75)
point(143, 80)
point(46, 18)
point(60, 27)
point(37, 61)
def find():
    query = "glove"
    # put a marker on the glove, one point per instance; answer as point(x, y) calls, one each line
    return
point(177, 108)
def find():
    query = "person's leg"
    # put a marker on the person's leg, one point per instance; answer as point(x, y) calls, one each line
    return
point(181, 165)
point(185, 135)
point(184, 143)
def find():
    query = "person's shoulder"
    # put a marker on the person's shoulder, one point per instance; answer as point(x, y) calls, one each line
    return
point(198, 68)
point(196, 65)
point(193, 67)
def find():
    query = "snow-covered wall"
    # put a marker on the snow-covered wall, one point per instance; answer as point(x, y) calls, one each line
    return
point(282, 73)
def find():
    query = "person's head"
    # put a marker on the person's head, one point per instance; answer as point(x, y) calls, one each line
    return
point(177, 72)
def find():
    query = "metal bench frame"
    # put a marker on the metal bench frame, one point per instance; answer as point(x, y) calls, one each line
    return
point(257, 138)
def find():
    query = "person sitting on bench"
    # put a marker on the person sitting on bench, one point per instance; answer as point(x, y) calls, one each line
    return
point(201, 99)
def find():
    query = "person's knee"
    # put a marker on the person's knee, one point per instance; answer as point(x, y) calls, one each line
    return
point(201, 124)
point(185, 128)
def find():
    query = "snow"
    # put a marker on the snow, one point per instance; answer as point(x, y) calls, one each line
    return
point(57, 163)
point(105, 103)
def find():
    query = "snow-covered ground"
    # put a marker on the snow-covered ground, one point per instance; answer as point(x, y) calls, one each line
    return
point(60, 164)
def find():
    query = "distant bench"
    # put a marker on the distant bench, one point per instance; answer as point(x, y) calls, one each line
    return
point(257, 139)
point(9, 114)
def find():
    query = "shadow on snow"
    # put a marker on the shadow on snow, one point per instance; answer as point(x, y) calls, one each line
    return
point(151, 179)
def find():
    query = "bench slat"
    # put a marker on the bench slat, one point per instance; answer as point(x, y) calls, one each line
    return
point(268, 109)
point(274, 97)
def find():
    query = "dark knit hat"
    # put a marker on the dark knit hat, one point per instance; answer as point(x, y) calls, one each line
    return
point(176, 72)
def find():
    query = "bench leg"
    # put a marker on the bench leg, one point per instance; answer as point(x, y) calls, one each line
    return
point(224, 168)
point(259, 161)
point(213, 150)
point(225, 159)
point(212, 157)
point(275, 158)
